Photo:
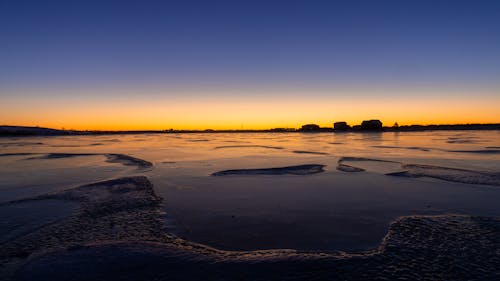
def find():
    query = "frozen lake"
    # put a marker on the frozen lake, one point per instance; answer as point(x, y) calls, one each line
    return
point(346, 206)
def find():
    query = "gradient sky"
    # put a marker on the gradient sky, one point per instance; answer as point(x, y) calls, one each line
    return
point(247, 64)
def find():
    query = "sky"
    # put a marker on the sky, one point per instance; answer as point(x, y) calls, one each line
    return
point(247, 64)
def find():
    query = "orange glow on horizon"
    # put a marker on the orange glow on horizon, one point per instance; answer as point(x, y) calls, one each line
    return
point(241, 113)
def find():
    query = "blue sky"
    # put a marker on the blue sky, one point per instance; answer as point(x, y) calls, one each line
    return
point(251, 42)
point(59, 49)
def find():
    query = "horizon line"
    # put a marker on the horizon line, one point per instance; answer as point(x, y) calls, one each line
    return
point(291, 129)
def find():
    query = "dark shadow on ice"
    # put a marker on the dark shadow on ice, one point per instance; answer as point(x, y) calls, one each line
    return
point(347, 158)
point(349, 168)
point(60, 155)
point(249, 146)
point(309, 152)
point(290, 170)
point(402, 147)
point(20, 143)
point(16, 154)
point(480, 151)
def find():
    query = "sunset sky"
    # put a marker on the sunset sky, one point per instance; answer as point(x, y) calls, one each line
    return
point(247, 64)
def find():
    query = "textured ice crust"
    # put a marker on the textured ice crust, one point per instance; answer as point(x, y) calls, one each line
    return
point(430, 171)
point(449, 174)
point(118, 233)
point(123, 159)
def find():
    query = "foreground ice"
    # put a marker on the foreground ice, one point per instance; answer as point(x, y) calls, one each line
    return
point(118, 234)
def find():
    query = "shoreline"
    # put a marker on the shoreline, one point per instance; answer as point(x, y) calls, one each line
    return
point(20, 131)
